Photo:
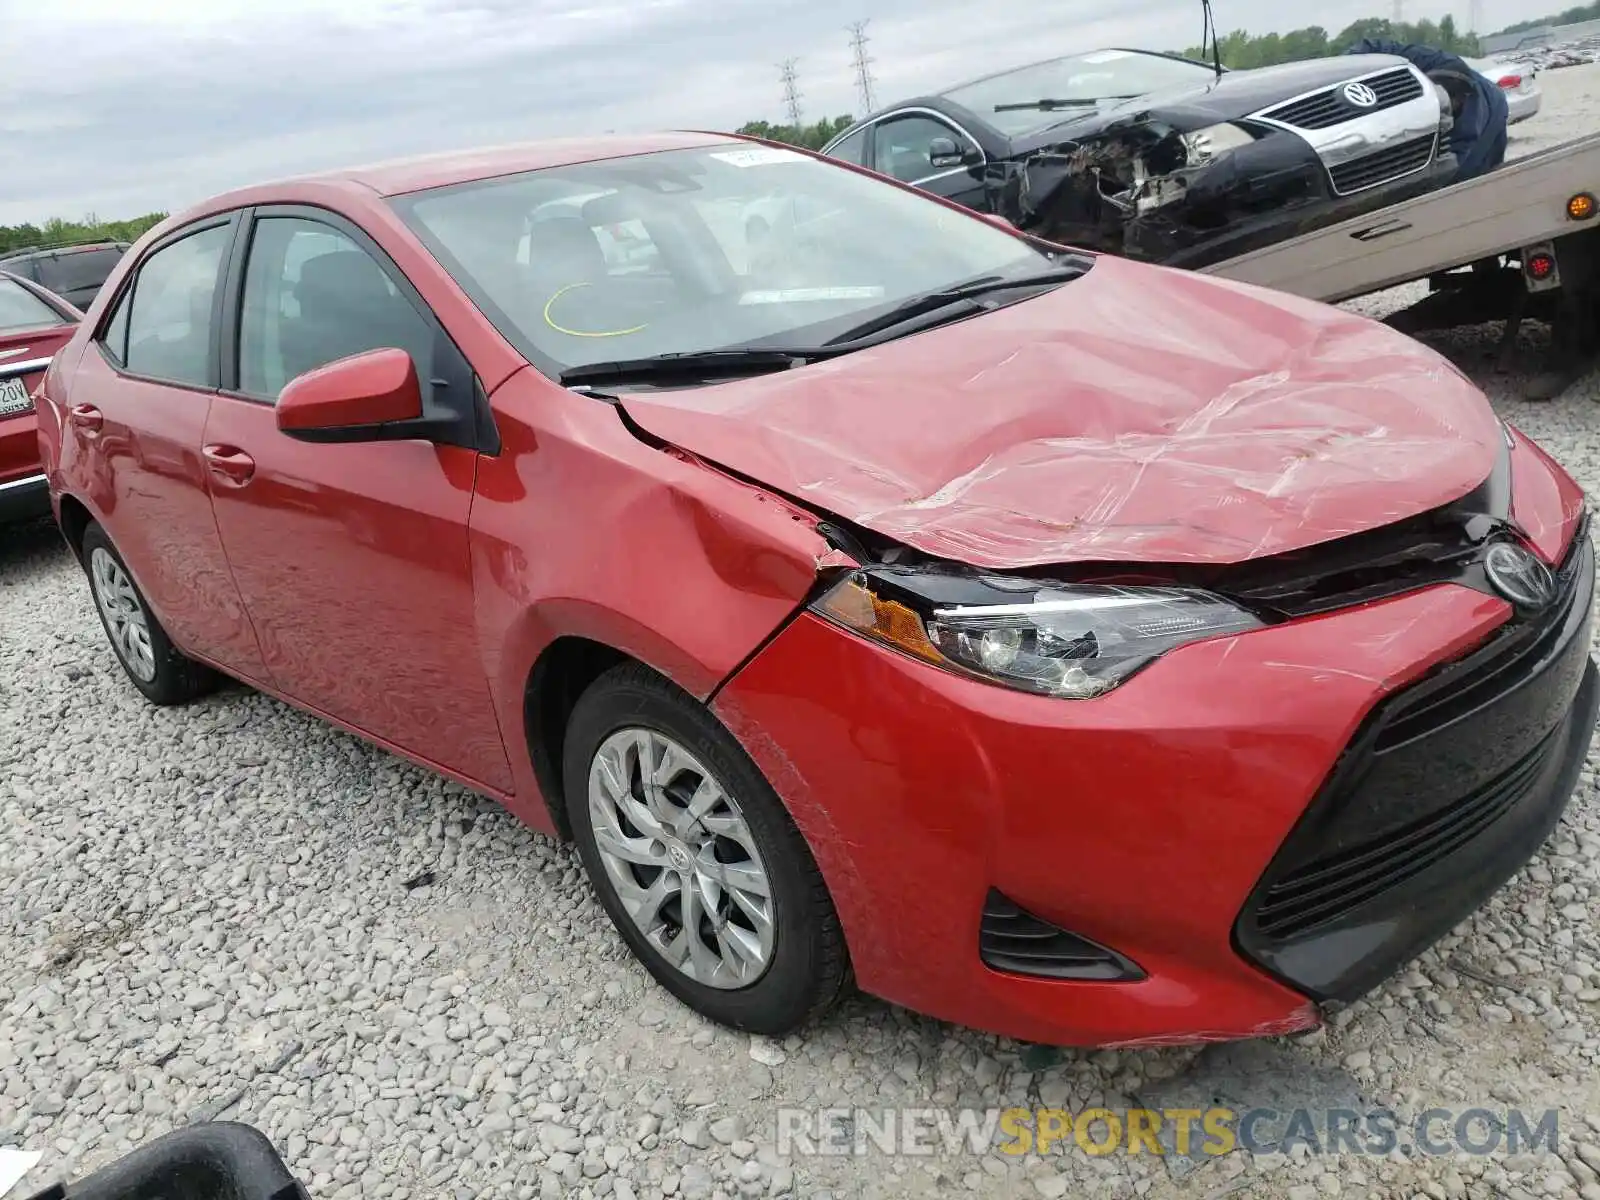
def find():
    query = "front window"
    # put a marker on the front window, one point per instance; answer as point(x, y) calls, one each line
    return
point(20, 309)
point(1075, 84)
point(684, 251)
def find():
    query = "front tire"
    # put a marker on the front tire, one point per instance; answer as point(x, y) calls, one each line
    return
point(696, 860)
point(151, 661)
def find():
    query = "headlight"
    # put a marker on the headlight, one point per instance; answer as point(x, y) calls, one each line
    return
point(1072, 641)
point(1213, 142)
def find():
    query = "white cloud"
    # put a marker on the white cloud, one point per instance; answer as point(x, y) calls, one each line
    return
point(121, 109)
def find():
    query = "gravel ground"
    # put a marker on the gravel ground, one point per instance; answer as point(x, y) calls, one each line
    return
point(234, 911)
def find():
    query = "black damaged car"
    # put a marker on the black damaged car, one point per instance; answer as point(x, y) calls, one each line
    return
point(1168, 160)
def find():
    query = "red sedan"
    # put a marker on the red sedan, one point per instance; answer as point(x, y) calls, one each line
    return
point(34, 324)
point(1077, 649)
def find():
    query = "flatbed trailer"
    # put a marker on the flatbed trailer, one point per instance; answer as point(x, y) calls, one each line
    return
point(1521, 242)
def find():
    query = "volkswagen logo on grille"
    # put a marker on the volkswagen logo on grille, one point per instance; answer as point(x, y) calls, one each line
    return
point(1519, 576)
point(1360, 95)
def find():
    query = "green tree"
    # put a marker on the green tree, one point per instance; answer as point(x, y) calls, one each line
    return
point(811, 137)
point(1242, 50)
point(89, 228)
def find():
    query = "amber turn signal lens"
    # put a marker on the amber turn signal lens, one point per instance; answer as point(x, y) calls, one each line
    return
point(854, 606)
point(1581, 207)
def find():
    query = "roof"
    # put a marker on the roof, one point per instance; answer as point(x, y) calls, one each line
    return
point(415, 174)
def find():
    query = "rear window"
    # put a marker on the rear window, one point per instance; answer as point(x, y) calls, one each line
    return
point(21, 309)
point(78, 269)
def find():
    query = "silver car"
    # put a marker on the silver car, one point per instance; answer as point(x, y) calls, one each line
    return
point(1518, 80)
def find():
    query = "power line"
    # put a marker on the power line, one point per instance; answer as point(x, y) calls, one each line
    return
point(791, 90)
point(863, 65)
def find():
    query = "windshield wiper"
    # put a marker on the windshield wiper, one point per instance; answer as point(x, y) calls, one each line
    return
point(696, 364)
point(960, 300)
point(1049, 105)
point(738, 362)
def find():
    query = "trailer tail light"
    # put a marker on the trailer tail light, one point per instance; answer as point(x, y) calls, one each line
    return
point(1541, 267)
point(1581, 207)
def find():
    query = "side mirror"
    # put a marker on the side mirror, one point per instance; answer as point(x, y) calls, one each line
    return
point(944, 153)
point(362, 398)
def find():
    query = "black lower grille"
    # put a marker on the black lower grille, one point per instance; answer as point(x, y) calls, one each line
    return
point(1013, 940)
point(1445, 791)
point(1326, 888)
point(1383, 166)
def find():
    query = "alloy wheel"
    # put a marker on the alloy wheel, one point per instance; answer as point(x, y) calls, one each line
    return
point(124, 615)
point(682, 859)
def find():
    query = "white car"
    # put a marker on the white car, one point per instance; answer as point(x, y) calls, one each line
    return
point(1518, 80)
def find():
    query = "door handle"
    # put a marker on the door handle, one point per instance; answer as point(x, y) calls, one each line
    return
point(230, 464)
point(86, 416)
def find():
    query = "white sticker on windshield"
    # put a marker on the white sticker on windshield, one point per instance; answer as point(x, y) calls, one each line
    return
point(757, 156)
point(1105, 56)
point(798, 295)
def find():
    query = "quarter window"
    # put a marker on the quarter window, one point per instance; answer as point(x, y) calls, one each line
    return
point(313, 296)
point(168, 327)
point(901, 147)
point(852, 149)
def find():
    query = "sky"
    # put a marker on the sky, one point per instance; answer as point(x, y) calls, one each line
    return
point(118, 109)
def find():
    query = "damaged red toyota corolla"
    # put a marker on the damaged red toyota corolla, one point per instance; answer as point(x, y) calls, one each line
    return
point(1076, 649)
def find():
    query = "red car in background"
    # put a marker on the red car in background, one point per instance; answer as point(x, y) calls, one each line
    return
point(1081, 650)
point(34, 324)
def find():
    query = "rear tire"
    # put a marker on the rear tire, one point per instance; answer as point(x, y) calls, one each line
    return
point(667, 809)
point(153, 664)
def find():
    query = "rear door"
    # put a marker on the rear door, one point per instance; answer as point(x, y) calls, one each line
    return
point(136, 408)
point(352, 558)
point(31, 331)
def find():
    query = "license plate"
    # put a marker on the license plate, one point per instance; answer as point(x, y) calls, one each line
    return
point(14, 397)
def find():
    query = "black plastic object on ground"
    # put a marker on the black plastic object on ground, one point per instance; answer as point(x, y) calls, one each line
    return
point(221, 1160)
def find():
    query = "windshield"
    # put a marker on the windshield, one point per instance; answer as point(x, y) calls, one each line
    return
point(21, 309)
point(1098, 76)
point(684, 251)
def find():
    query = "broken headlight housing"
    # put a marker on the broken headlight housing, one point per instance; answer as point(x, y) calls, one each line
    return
point(1211, 143)
point(1072, 641)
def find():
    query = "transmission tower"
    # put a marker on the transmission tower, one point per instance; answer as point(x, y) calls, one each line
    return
point(863, 65)
point(1399, 11)
point(1475, 18)
point(791, 90)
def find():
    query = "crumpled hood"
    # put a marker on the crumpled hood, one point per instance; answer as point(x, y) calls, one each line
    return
point(1134, 415)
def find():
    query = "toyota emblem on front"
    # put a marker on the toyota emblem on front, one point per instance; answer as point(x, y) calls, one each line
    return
point(1518, 575)
point(1360, 95)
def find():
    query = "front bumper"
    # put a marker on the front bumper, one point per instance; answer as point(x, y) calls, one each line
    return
point(1145, 821)
point(1449, 787)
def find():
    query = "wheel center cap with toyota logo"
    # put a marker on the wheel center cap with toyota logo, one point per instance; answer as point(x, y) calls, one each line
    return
point(1519, 576)
point(1360, 95)
point(678, 857)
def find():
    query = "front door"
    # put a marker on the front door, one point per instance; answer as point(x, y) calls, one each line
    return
point(902, 147)
point(352, 558)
